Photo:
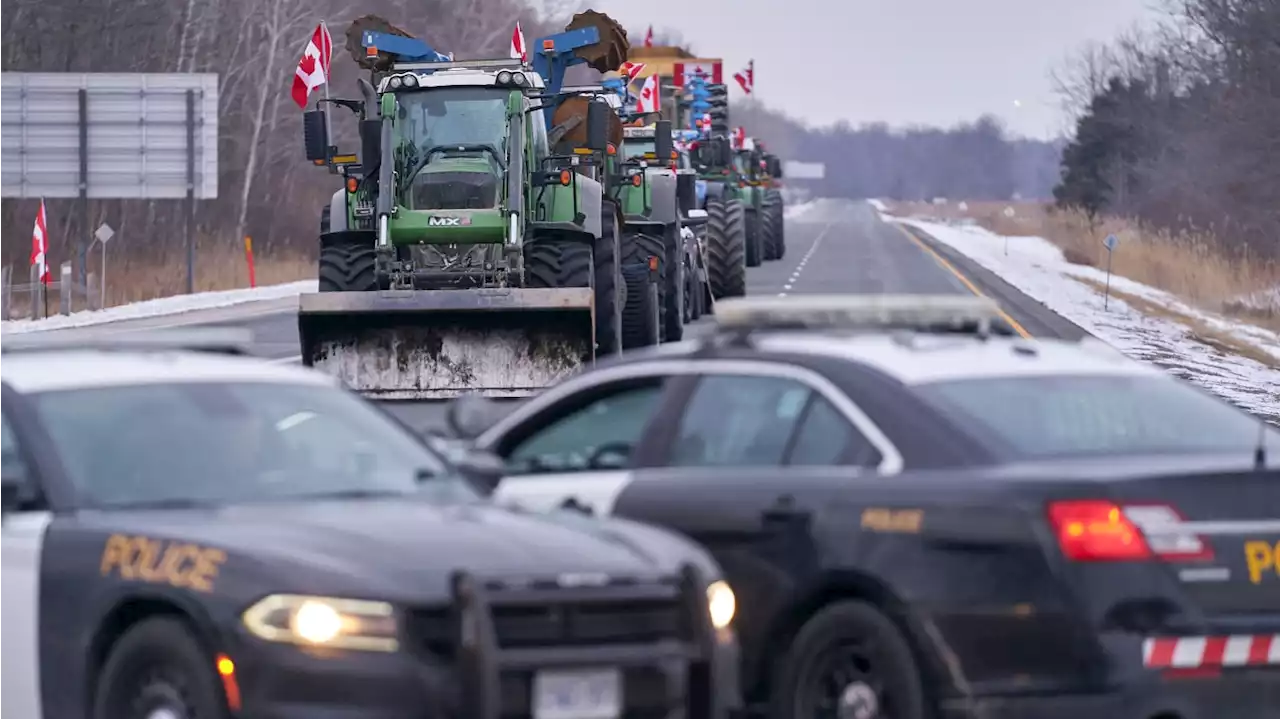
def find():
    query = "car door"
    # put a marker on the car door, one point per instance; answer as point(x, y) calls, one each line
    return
point(25, 521)
point(579, 450)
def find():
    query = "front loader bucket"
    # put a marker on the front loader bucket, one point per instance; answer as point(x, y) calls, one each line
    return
point(436, 344)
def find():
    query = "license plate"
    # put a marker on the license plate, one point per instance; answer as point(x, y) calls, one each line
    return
point(585, 694)
point(1262, 557)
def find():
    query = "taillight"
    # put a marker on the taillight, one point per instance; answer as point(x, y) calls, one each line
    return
point(1093, 530)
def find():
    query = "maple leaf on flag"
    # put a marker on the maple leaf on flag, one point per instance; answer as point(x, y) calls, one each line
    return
point(313, 69)
point(747, 78)
point(647, 101)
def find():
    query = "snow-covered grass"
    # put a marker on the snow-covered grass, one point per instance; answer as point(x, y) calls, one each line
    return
point(1237, 361)
point(161, 307)
point(798, 210)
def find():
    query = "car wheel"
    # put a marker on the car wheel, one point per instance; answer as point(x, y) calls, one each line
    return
point(848, 661)
point(158, 670)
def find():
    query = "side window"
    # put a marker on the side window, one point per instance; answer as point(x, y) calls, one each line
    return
point(826, 437)
point(739, 420)
point(14, 467)
point(538, 123)
point(600, 435)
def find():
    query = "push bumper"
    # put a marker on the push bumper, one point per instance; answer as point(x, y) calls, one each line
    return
point(477, 678)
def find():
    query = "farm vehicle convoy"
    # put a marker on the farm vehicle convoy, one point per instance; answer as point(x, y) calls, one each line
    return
point(498, 230)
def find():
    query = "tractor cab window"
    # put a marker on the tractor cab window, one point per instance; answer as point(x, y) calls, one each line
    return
point(637, 147)
point(538, 126)
point(451, 147)
point(742, 163)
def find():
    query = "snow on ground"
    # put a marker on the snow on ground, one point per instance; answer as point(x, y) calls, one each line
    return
point(1037, 268)
point(878, 205)
point(798, 210)
point(161, 306)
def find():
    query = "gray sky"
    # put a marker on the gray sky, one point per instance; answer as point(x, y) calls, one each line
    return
point(933, 62)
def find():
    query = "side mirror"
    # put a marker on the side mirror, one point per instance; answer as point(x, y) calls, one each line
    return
point(469, 416)
point(315, 134)
point(663, 144)
point(775, 167)
point(370, 145)
point(598, 125)
point(483, 469)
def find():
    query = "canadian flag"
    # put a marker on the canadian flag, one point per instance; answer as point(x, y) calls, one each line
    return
point(647, 100)
point(631, 70)
point(313, 68)
point(40, 246)
point(747, 78)
point(739, 138)
point(648, 37)
point(518, 49)
point(682, 72)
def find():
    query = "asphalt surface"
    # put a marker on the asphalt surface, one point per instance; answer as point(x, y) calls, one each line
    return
point(837, 247)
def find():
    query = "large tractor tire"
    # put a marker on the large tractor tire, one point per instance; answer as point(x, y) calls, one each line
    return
point(775, 197)
point(638, 248)
point(324, 219)
point(673, 271)
point(642, 322)
point(726, 249)
point(755, 255)
point(771, 228)
point(599, 268)
point(543, 262)
point(347, 268)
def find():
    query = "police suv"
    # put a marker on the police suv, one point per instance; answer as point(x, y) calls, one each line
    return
point(189, 534)
point(926, 516)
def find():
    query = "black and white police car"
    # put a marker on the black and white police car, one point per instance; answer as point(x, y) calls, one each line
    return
point(925, 516)
point(189, 534)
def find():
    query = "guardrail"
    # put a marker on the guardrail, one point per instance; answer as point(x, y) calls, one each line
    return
point(32, 297)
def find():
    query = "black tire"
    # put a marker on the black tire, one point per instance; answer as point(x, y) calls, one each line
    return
point(771, 226)
point(347, 268)
point(543, 259)
point(856, 638)
point(755, 256)
point(780, 217)
point(158, 663)
point(324, 219)
point(610, 291)
point(726, 249)
point(641, 321)
point(673, 272)
point(638, 248)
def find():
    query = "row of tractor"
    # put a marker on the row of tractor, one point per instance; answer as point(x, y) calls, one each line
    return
point(497, 229)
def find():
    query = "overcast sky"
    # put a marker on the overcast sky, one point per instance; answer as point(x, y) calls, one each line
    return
point(933, 62)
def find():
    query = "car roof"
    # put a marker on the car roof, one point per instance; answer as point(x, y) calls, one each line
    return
point(70, 369)
point(914, 359)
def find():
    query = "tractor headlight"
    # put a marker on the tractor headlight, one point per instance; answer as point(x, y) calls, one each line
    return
point(411, 81)
point(519, 79)
point(721, 604)
point(504, 77)
point(395, 83)
point(324, 622)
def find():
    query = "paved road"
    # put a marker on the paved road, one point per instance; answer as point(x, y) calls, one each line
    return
point(838, 247)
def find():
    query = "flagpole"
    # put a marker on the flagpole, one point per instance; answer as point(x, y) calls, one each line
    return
point(328, 119)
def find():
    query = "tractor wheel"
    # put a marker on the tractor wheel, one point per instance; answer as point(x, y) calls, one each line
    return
point(780, 216)
point(638, 248)
point(771, 228)
point(542, 262)
point(324, 219)
point(755, 257)
point(641, 320)
point(726, 249)
point(673, 271)
point(347, 268)
point(610, 291)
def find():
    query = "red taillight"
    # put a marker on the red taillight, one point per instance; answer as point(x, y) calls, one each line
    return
point(1093, 530)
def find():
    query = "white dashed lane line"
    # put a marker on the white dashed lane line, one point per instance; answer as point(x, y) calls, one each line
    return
point(795, 275)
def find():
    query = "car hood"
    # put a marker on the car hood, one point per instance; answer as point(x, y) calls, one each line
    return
point(409, 547)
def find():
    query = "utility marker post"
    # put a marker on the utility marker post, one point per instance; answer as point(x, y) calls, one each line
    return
point(1110, 243)
point(1009, 212)
point(102, 235)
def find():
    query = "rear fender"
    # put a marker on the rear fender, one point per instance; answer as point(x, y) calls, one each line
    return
point(345, 238)
point(555, 206)
point(339, 215)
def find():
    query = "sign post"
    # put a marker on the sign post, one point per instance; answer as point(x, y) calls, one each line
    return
point(102, 235)
point(1110, 243)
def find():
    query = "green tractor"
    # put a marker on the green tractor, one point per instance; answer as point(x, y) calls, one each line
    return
point(771, 181)
point(475, 246)
point(726, 238)
point(763, 204)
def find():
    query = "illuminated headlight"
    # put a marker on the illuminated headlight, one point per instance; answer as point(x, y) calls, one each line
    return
point(410, 81)
point(519, 79)
point(324, 622)
point(504, 77)
point(395, 83)
point(721, 604)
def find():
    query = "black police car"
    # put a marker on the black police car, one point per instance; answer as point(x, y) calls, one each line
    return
point(923, 515)
point(190, 535)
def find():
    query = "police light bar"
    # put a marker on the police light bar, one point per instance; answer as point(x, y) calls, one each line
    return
point(860, 312)
point(215, 340)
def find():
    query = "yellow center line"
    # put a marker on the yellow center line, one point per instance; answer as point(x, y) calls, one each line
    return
point(963, 280)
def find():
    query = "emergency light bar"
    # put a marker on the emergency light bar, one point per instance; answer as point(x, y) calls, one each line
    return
point(215, 340)
point(861, 312)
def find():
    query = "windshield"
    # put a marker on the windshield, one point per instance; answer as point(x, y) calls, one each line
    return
point(433, 124)
point(227, 443)
point(636, 148)
point(1078, 416)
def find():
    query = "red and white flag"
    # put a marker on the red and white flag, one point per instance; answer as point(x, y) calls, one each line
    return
point(313, 68)
point(647, 100)
point(747, 78)
point(648, 37)
point(518, 48)
point(739, 138)
point(682, 72)
point(40, 247)
point(631, 70)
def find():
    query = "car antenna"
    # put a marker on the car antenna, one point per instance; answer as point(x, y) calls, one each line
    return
point(1260, 452)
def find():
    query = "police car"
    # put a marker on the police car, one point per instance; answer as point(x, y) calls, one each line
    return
point(191, 534)
point(925, 516)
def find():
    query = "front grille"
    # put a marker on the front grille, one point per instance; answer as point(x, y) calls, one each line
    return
point(455, 191)
point(563, 624)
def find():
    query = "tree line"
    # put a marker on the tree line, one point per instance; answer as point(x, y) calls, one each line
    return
point(1177, 124)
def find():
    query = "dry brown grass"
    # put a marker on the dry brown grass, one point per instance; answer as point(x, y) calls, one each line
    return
point(1191, 266)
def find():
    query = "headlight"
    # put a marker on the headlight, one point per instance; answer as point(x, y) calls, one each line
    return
point(504, 77)
point(395, 83)
point(721, 604)
point(519, 79)
point(324, 622)
point(410, 80)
